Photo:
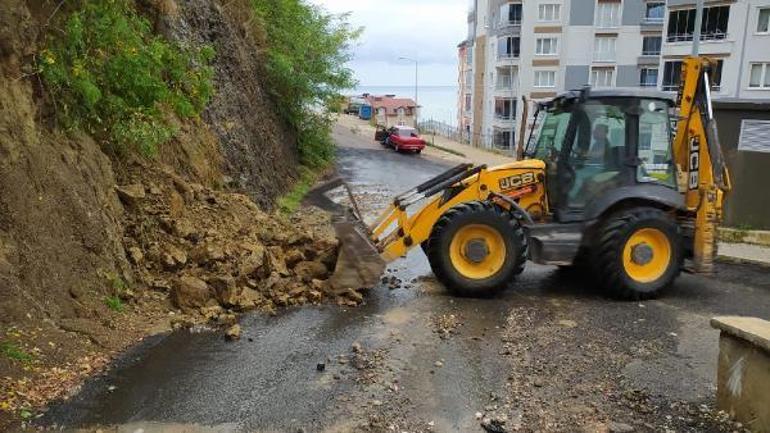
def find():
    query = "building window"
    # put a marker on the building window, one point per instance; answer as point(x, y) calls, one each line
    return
point(549, 12)
point(607, 14)
point(510, 14)
point(503, 138)
point(469, 56)
point(468, 79)
point(655, 11)
point(505, 108)
point(763, 23)
point(545, 78)
point(651, 45)
point(604, 48)
point(602, 77)
point(508, 47)
point(546, 46)
point(672, 75)
point(648, 77)
point(467, 102)
point(759, 77)
point(681, 24)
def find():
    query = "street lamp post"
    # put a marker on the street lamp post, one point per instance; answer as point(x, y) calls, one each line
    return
point(416, 68)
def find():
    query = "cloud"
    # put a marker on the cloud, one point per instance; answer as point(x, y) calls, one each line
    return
point(428, 30)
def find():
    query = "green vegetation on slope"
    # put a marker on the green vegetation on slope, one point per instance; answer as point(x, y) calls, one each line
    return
point(306, 54)
point(291, 201)
point(111, 76)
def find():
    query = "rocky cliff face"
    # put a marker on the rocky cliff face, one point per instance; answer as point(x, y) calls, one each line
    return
point(259, 151)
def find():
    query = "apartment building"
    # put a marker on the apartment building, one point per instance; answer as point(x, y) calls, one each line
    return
point(736, 33)
point(540, 48)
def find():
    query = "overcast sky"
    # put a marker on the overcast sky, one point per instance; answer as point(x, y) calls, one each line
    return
point(428, 30)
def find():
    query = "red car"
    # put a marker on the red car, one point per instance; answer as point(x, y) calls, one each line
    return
point(404, 138)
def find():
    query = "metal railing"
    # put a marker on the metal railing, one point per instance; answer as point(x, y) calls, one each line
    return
point(687, 37)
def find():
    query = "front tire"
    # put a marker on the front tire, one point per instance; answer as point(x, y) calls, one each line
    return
point(477, 249)
point(639, 253)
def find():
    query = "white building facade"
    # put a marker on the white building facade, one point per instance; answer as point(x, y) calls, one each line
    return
point(540, 48)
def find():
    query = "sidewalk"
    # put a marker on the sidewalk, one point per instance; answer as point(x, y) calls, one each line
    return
point(735, 245)
point(470, 154)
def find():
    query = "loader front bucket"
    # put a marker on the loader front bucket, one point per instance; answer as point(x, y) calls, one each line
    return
point(359, 264)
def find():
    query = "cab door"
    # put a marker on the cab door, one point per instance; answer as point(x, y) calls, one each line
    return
point(595, 158)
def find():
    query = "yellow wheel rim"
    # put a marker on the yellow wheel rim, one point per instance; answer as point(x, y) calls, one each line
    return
point(647, 255)
point(477, 251)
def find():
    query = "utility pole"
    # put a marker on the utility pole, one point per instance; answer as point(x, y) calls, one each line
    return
point(696, 30)
point(416, 70)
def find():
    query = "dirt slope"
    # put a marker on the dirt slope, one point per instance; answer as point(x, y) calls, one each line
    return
point(96, 253)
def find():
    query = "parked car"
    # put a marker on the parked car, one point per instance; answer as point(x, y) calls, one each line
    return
point(404, 138)
point(381, 134)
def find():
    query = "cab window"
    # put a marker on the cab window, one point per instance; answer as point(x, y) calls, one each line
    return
point(656, 165)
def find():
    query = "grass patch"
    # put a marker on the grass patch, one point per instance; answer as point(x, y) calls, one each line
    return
point(114, 303)
point(12, 351)
point(291, 201)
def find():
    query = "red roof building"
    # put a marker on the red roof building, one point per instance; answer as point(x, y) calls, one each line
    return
point(387, 110)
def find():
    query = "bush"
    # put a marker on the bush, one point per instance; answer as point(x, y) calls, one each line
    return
point(307, 50)
point(111, 76)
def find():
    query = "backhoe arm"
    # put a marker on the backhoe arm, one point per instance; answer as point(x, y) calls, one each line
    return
point(395, 232)
point(702, 174)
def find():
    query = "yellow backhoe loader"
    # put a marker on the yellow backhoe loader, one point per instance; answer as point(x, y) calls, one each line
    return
point(629, 183)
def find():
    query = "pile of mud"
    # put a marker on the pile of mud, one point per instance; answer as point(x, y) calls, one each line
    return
point(210, 250)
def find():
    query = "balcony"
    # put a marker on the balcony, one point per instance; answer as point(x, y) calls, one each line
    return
point(505, 83)
point(649, 23)
point(509, 23)
point(507, 57)
point(687, 37)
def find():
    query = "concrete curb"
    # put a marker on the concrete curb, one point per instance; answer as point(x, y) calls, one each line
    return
point(738, 236)
point(742, 261)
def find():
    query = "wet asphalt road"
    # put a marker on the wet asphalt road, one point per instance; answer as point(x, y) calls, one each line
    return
point(268, 381)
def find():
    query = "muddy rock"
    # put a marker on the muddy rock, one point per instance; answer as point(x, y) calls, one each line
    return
point(251, 264)
point(293, 257)
point(173, 258)
point(309, 271)
point(190, 293)
point(135, 255)
point(315, 295)
point(249, 299)
point(320, 285)
point(276, 262)
point(131, 195)
point(184, 229)
point(208, 253)
point(494, 424)
point(226, 290)
point(233, 333)
point(254, 248)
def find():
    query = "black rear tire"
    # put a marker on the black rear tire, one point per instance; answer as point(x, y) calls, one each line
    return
point(608, 259)
point(478, 214)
